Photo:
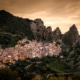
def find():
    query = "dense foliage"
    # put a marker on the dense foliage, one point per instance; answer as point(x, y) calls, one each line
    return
point(11, 25)
point(47, 68)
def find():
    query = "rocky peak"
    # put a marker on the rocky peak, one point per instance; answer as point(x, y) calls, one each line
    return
point(39, 22)
point(57, 31)
point(71, 37)
point(38, 28)
point(4, 17)
point(49, 29)
point(57, 34)
point(73, 29)
point(5, 13)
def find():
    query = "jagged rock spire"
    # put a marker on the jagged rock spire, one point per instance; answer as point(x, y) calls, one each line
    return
point(57, 34)
point(71, 37)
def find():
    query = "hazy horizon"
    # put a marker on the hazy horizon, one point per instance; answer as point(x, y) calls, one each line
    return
point(54, 13)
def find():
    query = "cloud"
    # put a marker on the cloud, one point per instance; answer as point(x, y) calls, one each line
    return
point(21, 6)
point(55, 7)
point(61, 13)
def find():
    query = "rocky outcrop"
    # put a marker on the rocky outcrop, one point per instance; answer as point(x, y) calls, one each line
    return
point(38, 29)
point(71, 37)
point(49, 35)
point(57, 35)
point(39, 23)
point(34, 29)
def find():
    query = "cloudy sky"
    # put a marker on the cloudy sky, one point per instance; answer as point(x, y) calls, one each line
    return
point(56, 13)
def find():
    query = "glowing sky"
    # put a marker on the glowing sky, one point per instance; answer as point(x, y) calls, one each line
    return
point(56, 13)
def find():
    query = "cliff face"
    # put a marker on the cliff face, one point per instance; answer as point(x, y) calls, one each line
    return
point(40, 32)
point(37, 27)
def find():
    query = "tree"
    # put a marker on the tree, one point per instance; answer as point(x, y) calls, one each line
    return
point(36, 78)
point(53, 78)
point(76, 77)
point(61, 78)
point(8, 74)
point(69, 78)
point(19, 78)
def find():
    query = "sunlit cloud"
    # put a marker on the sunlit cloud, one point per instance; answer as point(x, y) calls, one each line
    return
point(55, 13)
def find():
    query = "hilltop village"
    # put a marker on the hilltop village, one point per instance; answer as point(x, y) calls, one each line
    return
point(28, 49)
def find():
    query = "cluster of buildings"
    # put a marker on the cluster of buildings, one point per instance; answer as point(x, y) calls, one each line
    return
point(28, 49)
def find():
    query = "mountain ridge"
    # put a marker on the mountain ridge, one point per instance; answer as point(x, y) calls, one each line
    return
point(14, 28)
point(35, 29)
